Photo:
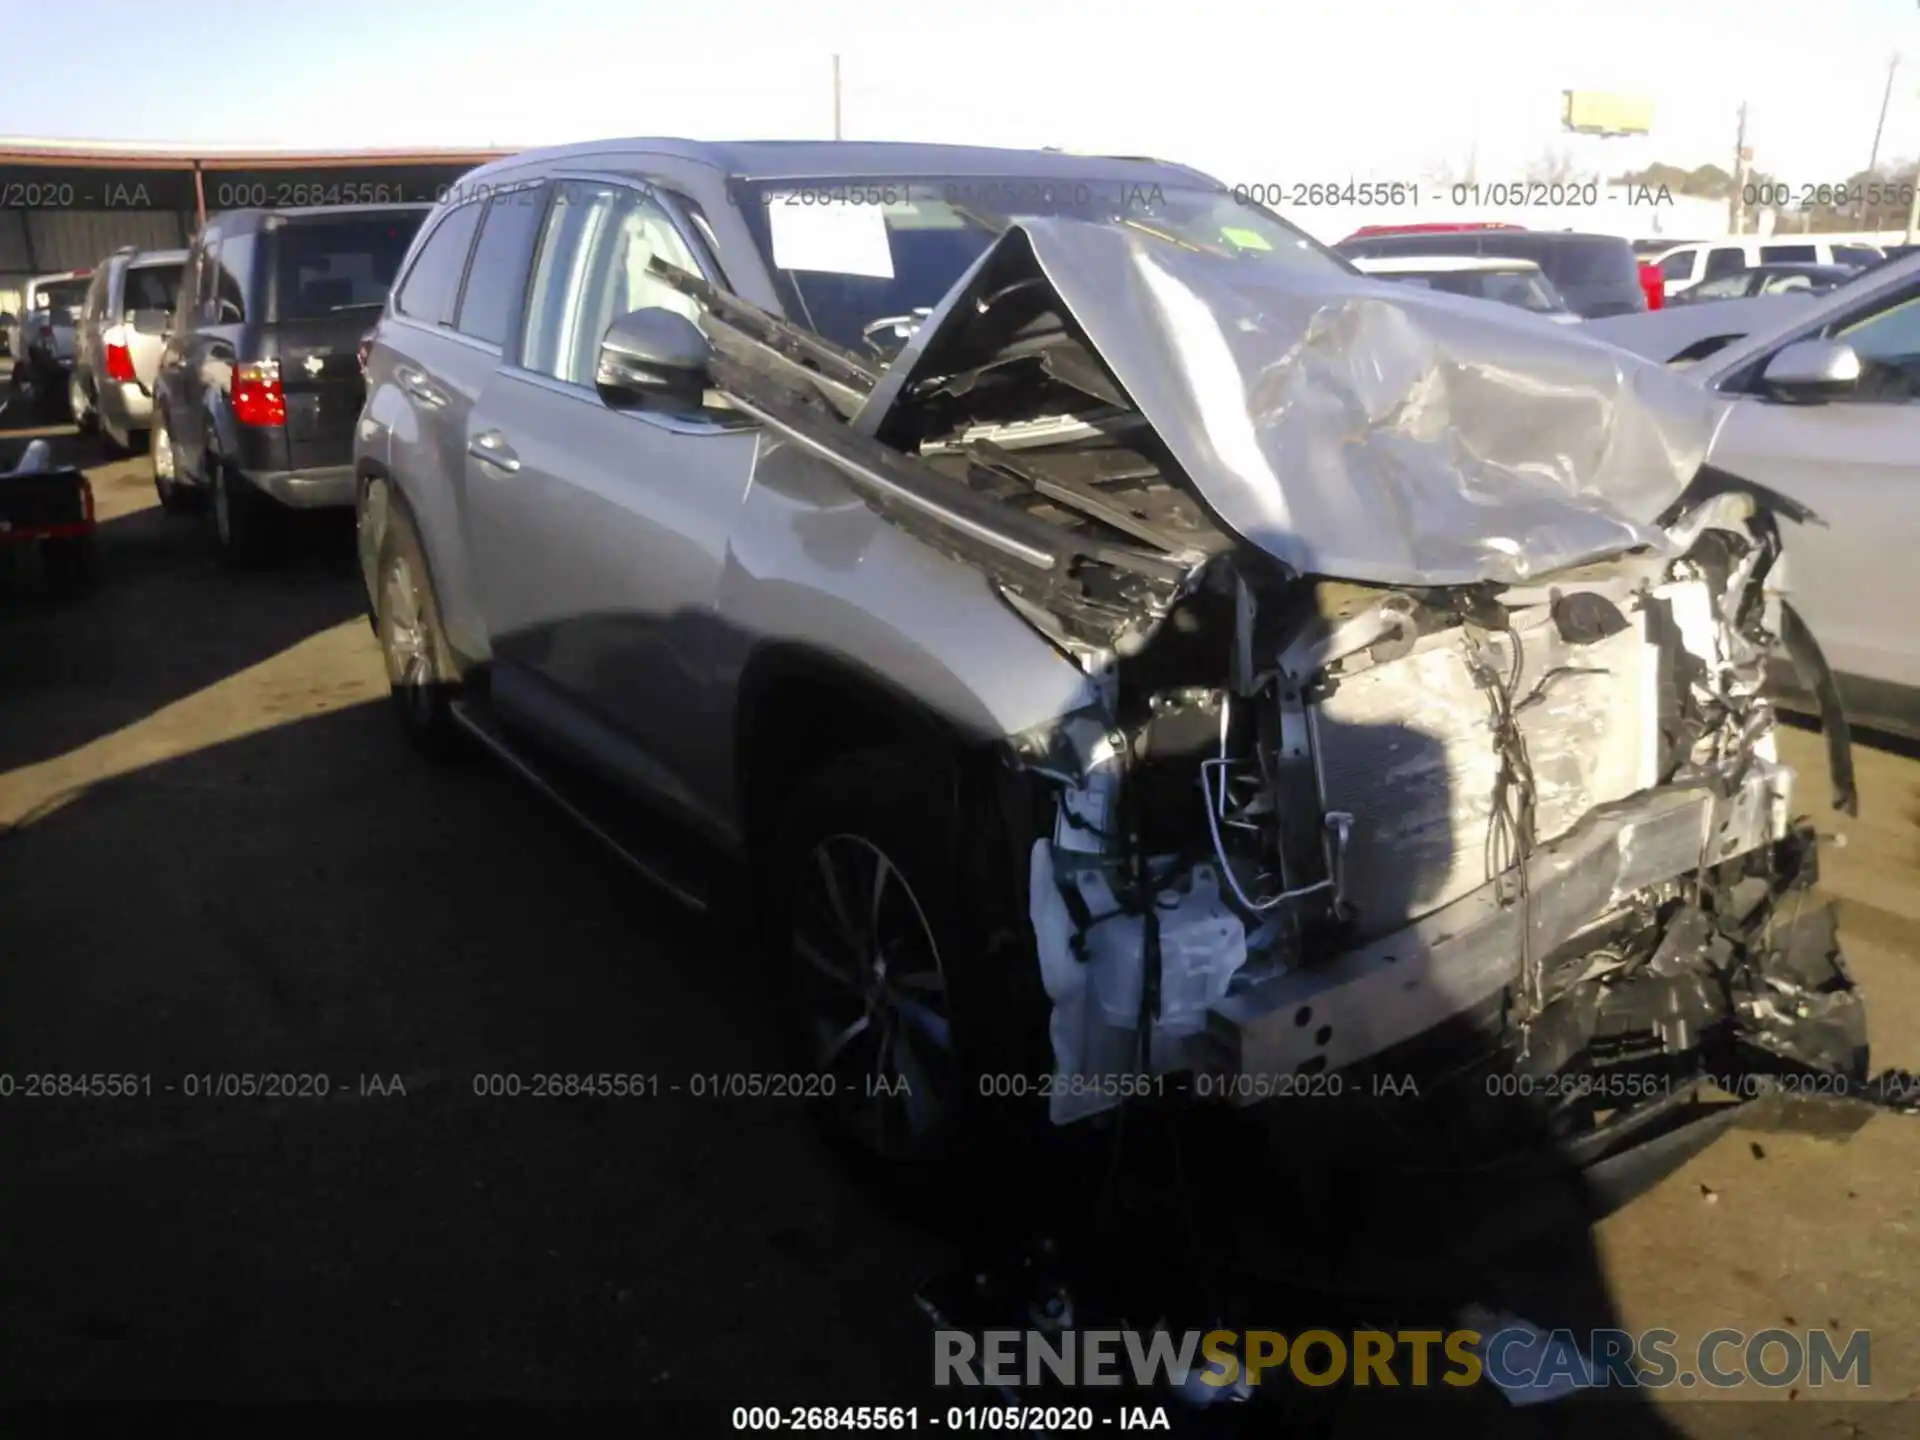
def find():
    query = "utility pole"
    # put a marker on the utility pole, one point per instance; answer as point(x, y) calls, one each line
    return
point(836, 97)
point(1913, 209)
point(1873, 159)
point(1735, 210)
point(1886, 97)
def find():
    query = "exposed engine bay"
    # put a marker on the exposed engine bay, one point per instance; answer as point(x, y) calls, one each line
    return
point(1309, 820)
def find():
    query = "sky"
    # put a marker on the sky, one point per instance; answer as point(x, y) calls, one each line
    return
point(1266, 91)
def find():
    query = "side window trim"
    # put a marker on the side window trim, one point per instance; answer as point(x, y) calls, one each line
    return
point(512, 358)
point(425, 243)
point(209, 296)
point(665, 200)
point(517, 319)
point(1746, 380)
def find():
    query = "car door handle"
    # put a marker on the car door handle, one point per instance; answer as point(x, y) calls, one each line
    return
point(416, 385)
point(491, 447)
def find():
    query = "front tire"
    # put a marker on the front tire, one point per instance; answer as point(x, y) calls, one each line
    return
point(420, 666)
point(894, 1003)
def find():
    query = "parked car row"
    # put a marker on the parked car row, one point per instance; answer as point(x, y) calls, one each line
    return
point(1520, 283)
point(122, 329)
point(259, 383)
point(1697, 262)
point(1768, 279)
point(1596, 274)
point(234, 361)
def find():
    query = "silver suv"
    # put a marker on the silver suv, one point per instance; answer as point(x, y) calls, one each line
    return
point(41, 338)
point(1130, 651)
point(122, 330)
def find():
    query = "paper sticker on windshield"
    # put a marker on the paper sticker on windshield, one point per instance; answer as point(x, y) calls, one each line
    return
point(836, 237)
point(1245, 239)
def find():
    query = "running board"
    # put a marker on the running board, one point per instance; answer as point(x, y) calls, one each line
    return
point(614, 823)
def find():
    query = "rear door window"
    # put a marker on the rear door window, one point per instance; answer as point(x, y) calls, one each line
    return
point(1789, 254)
point(151, 287)
point(1725, 259)
point(433, 284)
point(497, 279)
point(327, 266)
point(1723, 287)
point(232, 279)
point(62, 299)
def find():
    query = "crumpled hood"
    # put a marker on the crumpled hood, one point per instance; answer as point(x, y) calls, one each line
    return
point(1361, 429)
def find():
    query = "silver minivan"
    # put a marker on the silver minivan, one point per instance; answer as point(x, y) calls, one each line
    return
point(122, 330)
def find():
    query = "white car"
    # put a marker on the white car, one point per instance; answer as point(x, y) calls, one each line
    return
point(1824, 408)
point(1520, 283)
point(1685, 266)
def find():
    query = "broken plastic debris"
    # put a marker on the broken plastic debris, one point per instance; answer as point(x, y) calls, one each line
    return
point(1560, 1368)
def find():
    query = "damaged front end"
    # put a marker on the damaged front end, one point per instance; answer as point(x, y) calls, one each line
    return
point(1532, 842)
point(1429, 732)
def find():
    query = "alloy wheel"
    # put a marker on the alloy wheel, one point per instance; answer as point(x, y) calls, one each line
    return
point(163, 470)
point(404, 639)
point(873, 995)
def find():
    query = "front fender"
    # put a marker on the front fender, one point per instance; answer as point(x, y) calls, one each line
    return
point(812, 565)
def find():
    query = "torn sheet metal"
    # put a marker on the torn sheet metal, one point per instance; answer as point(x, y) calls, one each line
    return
point(1347, 427)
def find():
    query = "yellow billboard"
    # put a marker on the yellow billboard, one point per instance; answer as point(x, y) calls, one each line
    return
point(1603, 112)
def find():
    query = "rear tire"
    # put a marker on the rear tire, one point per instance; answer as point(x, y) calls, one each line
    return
point(176, 498)
point(86, 417)
point(244, 521)
point(420, 664)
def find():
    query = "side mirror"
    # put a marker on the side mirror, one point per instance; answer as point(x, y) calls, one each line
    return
point(653, 357)
point(1812, 370)
point(229, 312)
point(149, 322)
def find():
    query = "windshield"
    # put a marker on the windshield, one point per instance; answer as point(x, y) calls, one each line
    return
point(151, 287)
point(1528, 289)
point(340, 263)
point(61, 298)
point(861, 262)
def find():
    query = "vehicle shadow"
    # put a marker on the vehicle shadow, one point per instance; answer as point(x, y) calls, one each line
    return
point(1367, 1200)
point(164, 619)
point(316, 900)
point(312, 899)
point(1376, 1207)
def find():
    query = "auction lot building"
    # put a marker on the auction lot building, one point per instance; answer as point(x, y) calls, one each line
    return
point(66, 205)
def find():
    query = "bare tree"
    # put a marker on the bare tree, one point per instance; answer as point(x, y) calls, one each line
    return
point(1553, 167)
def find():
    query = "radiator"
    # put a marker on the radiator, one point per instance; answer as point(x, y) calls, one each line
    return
point(1407, 748)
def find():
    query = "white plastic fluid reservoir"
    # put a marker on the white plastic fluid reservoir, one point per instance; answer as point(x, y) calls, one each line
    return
point(1202, 944)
